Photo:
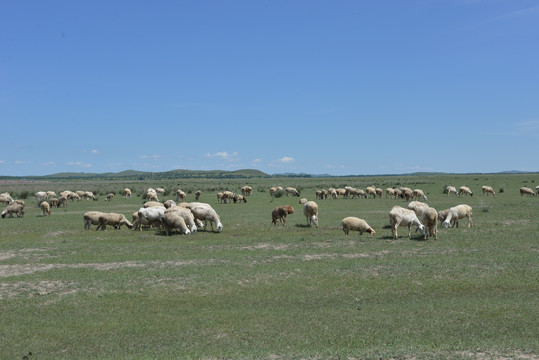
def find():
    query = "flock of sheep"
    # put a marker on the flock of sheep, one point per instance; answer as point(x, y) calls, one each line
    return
point(187, 217)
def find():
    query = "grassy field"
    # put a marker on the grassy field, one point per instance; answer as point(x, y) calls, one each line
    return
point(258, 291)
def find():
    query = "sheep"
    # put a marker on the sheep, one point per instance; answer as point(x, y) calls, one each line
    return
point(91, 218)
point(228, 195)
point(527, 191)
point(390, 192)
point(537, 189)
point(45, 208)
point(51, 194)
point(150, 196)
point(5, 200)
point(407, 194)
point(333, 193)
point(458, 212)
point(356, 224)
point(399, 216)
point(187, 216)
point(379, 192)
point(302, 201)
point(340, 192)
point(160, 191)
point(205, 212)
point(173, 220)
point(221, 198)
point(488, 190)
point(465, 190)
point(239, 199)
point(370, 191)
point(429, 219)
point(442, 215)
point(112, 219)
point(419, 194)
point(310, 210)
point(180, 195)
point(62, 201)
point(246, 190)
point(19, 202)
point(54, 202)
point(88, 195)
point(452, 190)
point(149, 216)
point(280, 212)
point(198, 193)
point(169, 203)
point(149, 204)
point(109, 197)
point(11, 209)
point(127, 193)
point(272, 191)
point(398, 193)
point(40, 196)
point(418, 207)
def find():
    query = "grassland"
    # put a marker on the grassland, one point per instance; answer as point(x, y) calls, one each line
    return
point(257, 291)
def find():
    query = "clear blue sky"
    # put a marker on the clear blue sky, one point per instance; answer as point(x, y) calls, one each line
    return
point(337, 87)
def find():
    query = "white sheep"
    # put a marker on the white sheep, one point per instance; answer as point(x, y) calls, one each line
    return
point(88, 195)
point(526, 191)
point(204, 212)
point(109, 197)
point(429, 219)
point(198, 193)
point(390, 192)
point(418, 207)
point(310, 210)
point(149, 216)
point(419, 194)
point(127, 193)
point(302, 201)
point(187, 216)
point(537, 189)
point(399, 216)
point(180, 195)
point(50, 194)
point(40, 196)
point(442, 215)
point(291, 190)
point(91, 218)
point(45, 208)
point(169, 203)
point(14, 208)
point(160, 191)
point(112, 219)
point(239, 198)
point(452, 190)
point(370, 191)
point(356, 224)
point(173, 220)
point(280, 212)
point(458, 212)
point(465, 190)
point(148, 204)
point(5, 200)
point(246, 190)
point(488, 190)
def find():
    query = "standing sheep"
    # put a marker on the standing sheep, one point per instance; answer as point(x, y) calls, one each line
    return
point(429, 219)
point(91, 218)
point(173, 220)
point(419, 194)
point(526, 190)
point(458, 212)
point(45, 208)
point(465, 190)
point(205, 212)
point(310, 210)
point(488, 190)
point(127, 193)
point(112, 219)
point(198, 193)
point(109, 197)
point(291, 190)
point(280, 212)
point(418, 207)
point(187, 216)
point(452, 190)
point(399, 216)
point(13, 208)
point(356, 224)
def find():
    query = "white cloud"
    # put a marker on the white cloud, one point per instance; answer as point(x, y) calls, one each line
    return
point(22, 162)
point(256, 161)
point(153, 157)
point(223, 155)
point(78, 163)
point(49, 163)
point(95, 151)
point(286, 160)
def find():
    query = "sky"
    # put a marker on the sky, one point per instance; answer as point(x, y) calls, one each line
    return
point(298, 86)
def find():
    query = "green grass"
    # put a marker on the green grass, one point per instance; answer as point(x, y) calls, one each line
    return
point(258, 291)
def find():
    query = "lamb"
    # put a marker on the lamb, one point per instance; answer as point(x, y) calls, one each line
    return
point(488, 190)
point(187, 216)
point(149, 216)
point(280, 212)
point(109, 197)
point(173, 220)
point(45, 208)
point(291, 190)
point(527, 191)
point(112, 219)
point(239, 199)
point(310, 210)
point(399, 216)
point(11, 209)
point(356, 224)
point(452, 190)
point(418, 193)
point(458, 212)
point(418, 207)
point(205, 212)
point(465, 190)
point(429, 219)
point(127, 193)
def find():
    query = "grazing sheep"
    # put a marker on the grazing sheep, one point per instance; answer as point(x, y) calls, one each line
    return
point(419, 194)
point(187, 216)
point(160, 191)
point(91, 218)
point(198, 193)
point(390, 192)
point(458, 212)
point(537, 189)
point(527, 191)
point(54, 202)
point(40, 196)
point(429, 219)
point(205, 212)
point(280, 212)
point(149, 204)
point(452, 190)
point(149, 216)
point(442, 215)
point(169, 203)
point(310, 210)
point(151, 197)
point(112, 219)
point(359, 193)
point(50, 194)
point(109, 197)
point(356, 224)
point(11, 209)
point(239, 199)
point(228, 195)
point(465, 190)
point(87, 195)
point(5, 200)
point(303, 201)
point(127, 193)
point(272, 191)
point(407, 194)
point(180, 195)
point(370, 191)
point(221, 198)
point(398, 193)
point(246, 190)
point(333, 193)
point(399, 216)
point(62, 201)
point(45, 208)
point(417, 207)
point(173, 220)
point(19, 202)
point(488, 190)
point(379, 192)
point(291, 190)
